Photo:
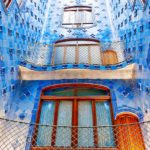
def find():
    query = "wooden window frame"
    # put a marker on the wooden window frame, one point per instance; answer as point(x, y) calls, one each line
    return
point(7, 4)
point(75, 100)
point(78, 9)
point(60, 43)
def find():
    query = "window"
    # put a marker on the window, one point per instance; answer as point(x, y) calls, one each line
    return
point(125, 21)
point(130, 18)
point(121, 24)
point(122, 10)
point(126, 6)
point(1, 28)
point(19, 2)
point(78, 17)
point(134, 31)
point(7, 3)
point(135, 13)
point(143, 2)
point(82, 105)
point(9, 32)
point(118, 14)
point(141, 28)
point(76, 51)
point(129, 35)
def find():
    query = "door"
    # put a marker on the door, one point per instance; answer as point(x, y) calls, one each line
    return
point(109, 57)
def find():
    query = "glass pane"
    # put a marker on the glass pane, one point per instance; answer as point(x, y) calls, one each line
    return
point(66, 17)
point(85, 135)
point(63, 136)
point(90, 92)
point(70, 54)
point(105, 134)
point(95, 55)
point(83, 54)
point(46, 118)
point(88, 17)
point(68, 91)
point(59, 55)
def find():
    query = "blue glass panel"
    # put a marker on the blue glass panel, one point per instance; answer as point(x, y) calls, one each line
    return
point(85, 135)
point(105, 134)
point(46, 118)
point(63, 136)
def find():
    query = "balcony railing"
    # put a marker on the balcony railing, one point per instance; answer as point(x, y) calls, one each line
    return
point(16, 135)
point(76, 52)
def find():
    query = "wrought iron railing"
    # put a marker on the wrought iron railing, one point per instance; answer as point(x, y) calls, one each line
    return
point(105, 53)
point(16, 135)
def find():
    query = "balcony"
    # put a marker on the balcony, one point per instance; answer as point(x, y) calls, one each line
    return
point(88, 52)
point(25, 136)
point(108, 60)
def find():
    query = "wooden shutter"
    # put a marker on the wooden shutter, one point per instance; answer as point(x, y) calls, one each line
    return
point(109, 57)
point(128, 136)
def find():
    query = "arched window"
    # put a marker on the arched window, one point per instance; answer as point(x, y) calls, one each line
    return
point(78, 17)
point(73, 110)
point(7, 3)
point(77, 51)
point(109, 57)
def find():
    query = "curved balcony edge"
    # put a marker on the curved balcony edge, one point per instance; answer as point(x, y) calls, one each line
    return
point(125, 73)
point(37, 67)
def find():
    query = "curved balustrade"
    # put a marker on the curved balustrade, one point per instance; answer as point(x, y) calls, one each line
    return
point(77, 53)
point(19, 135)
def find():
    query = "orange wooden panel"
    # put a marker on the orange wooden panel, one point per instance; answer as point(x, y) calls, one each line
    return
point(128, 134)
point(109, 57)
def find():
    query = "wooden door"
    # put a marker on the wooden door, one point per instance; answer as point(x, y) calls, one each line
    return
point(128, 131)
point(109, 57)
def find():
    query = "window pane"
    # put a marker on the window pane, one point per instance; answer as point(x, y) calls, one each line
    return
point(83, 54)
point(63, 136)
point(70, 54)
point(105, 134)
point(59, 55)
point(90, 92)
point(67, 91)
point(46, 118)
point(88, 17)
point(66, 17)
point(95, 55)
point(85, 135)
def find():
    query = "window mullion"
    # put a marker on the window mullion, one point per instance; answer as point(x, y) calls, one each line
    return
point(74, 141)
point(53, 137)
point(94, 123)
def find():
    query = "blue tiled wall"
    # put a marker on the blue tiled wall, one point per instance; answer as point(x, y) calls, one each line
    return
point(19, 26)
